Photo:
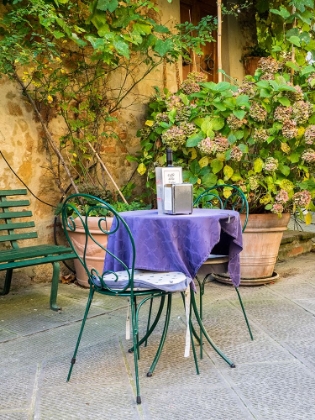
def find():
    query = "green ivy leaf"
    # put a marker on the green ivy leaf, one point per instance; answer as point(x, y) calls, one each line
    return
point(295, 40)
point(284, 101)
point(239, 114)
point(285, 170)
point(239, 134)
point(283, 12)
point(142, 28)
point(110, 5)
point(217, 123)
point(184, 99)
point(242, 100)
point(121, 47)
point(264, 84)
point(209, 179)
point(216, 165)
point(294, 157)
point(162, 47)
point(195, 139)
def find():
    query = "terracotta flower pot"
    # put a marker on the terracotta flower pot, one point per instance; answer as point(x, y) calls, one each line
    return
point(261, 243)
point(95, 255)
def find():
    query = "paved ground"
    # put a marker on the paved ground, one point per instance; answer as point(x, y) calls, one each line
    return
point(274, 376)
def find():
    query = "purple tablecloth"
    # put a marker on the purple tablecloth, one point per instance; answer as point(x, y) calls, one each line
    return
point(179, 242)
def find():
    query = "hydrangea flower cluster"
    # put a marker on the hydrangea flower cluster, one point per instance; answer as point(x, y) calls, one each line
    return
point(257, 112)
point(210, 147)
point(235, 123)
point(310, 134)
point(259, 135)
point(271, 164)
point(302, 198)
point(174, 137)
point(309, 156)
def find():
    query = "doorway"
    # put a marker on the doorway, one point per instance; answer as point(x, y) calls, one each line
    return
point(192, 11)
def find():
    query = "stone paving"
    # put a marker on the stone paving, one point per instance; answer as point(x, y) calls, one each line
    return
point(274, 378)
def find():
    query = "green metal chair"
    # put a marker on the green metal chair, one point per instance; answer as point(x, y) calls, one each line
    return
point(228, 197)
point(136, 285)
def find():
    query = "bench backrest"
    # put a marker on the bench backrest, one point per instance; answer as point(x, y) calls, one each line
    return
point(9, 212)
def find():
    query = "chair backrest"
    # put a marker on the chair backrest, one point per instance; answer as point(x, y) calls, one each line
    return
point(11, 210)
point(77, 212)
point(224, 196)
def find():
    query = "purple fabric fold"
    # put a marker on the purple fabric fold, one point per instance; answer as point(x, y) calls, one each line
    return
point(178, 242)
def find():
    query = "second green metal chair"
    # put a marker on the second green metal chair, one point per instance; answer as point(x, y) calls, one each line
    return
point(227, 197)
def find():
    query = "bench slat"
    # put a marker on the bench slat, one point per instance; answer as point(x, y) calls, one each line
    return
point(13, 203)
point(33, 252)
point(37, 261)
point(18, 236)
point(4, 193)
point(19, 225)
point(15, 214)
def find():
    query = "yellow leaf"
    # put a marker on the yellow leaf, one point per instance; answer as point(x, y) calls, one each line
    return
point(301, 131)
point(228, 172)
point(227, 192)
point(221, 156)
point(203, 162)
point(285, 148)
point(142, 169)
point(193, 153)
point(308, 218)
point(236, 177)
point(149, 123)
point(198, 181)
point(50, 98)
point(258, 165)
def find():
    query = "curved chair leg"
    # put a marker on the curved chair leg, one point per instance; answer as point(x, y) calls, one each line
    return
point(151, 329)
point(201, 284)
point(88, 305)
point(244, 313)
point(162, 341)
point(135, 346)
point(220, 353)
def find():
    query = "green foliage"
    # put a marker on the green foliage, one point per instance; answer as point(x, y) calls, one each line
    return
point(81, 61)
point(259, 136)
point(285, 25)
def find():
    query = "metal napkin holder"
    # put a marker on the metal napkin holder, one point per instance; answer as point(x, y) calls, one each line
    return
point(178, 198)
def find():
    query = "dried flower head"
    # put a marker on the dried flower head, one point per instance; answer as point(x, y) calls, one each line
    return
point(310, 134)
point(271, 164)
point(257, 112)
point(302, 198)
point(289, 129)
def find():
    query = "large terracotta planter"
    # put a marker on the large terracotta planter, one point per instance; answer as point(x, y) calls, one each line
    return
point(261, 243)
point(95, 255)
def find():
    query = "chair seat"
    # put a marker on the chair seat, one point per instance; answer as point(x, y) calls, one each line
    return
point(172, 281)
point(217, 259)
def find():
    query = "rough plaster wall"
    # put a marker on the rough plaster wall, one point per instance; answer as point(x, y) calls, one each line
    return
point(22, 147)
point(232, 45)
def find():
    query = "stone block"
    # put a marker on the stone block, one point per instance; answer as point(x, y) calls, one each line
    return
point(295, 243)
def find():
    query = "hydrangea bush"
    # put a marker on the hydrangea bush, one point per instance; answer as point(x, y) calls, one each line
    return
point(259, 135)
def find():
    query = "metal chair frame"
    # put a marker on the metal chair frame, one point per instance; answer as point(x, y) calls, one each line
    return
point(227, 197)
point(99, 285)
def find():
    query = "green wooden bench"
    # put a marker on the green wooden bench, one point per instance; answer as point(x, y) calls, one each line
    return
point(13, 228)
